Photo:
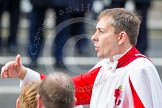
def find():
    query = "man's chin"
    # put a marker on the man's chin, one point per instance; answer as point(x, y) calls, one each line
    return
point(99, 56)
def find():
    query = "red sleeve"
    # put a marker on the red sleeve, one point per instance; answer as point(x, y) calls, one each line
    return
point(83, 86)
point(137, 102)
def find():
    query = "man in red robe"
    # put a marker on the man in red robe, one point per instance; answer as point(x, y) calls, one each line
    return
point(123, 79)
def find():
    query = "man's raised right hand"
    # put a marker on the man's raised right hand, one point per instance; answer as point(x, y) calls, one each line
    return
point(13, 69)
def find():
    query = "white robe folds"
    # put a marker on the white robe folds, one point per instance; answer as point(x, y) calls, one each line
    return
point(144, 78)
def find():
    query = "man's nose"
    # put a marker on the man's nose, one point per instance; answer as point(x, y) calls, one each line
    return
point(94, 37)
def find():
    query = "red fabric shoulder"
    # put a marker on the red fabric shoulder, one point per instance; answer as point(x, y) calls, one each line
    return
point(83, 86)
point(129, 57)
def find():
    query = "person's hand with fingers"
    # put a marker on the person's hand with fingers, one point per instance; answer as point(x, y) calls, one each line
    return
point(13, 69)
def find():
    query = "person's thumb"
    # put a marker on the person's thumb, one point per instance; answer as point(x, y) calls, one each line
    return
point(18, 60)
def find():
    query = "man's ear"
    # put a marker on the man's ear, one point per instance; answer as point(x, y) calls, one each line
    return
point(17, 103)
point(122, 37)
point(39, 101)
point(75, 99)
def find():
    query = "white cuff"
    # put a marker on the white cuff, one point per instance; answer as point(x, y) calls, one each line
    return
point(31, 75)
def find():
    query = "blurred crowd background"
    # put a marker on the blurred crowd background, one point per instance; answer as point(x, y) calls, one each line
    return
point(60, 32)
point(26, 24)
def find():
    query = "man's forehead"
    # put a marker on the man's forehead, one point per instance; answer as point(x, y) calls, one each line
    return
point(104, 22)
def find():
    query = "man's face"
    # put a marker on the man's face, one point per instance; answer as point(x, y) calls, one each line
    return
point(105, 40)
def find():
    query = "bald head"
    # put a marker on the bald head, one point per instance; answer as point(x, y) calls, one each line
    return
point(57, 90)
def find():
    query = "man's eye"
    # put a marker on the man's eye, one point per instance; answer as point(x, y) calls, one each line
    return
point(101, 31)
